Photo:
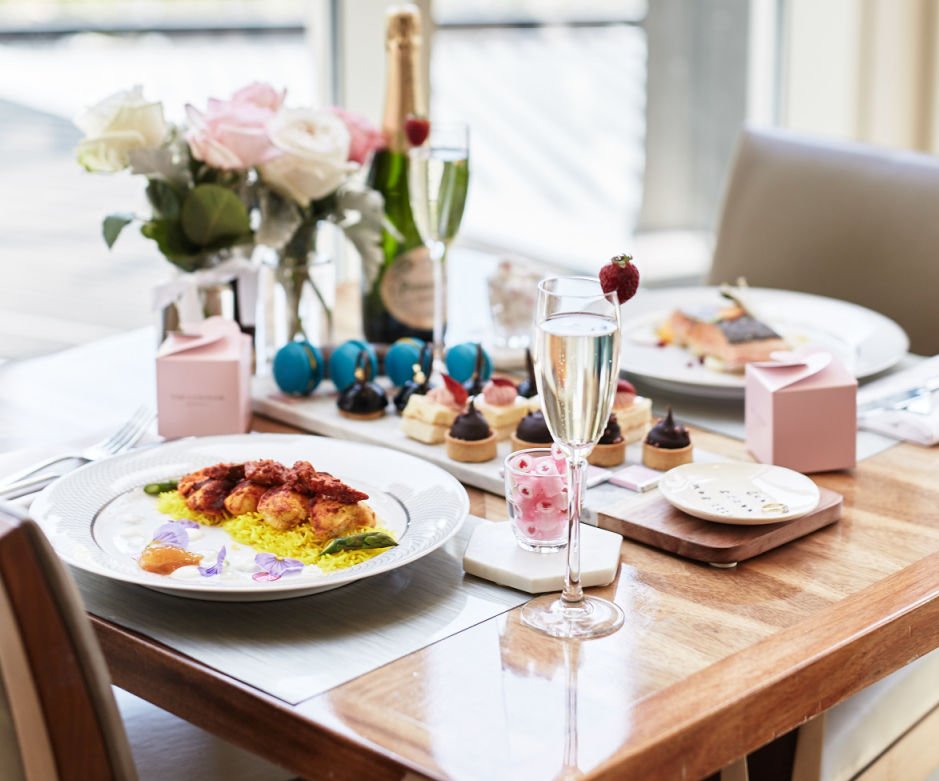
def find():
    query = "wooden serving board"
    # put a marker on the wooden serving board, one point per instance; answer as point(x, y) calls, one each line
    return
point(655, 522)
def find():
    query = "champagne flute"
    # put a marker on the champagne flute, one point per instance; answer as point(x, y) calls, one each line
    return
point(576, 354)
point(438, 178)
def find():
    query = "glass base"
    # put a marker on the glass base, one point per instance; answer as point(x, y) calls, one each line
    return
point(594, 617)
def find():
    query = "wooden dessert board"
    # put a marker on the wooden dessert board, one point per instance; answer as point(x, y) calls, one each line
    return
point(653, 521)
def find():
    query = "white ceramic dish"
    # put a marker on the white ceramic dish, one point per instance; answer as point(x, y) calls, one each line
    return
point(740, 493)
point(98, 518)
point(865, 341)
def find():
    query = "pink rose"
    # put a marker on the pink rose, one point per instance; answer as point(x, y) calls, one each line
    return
point(260, 94)
point(232, 134)
point(365, 137)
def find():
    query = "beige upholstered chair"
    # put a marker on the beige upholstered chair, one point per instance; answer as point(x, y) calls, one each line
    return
point(58, 716)
point(850, 221)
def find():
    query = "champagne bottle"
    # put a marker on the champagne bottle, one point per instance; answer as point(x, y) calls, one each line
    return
point(398, 296)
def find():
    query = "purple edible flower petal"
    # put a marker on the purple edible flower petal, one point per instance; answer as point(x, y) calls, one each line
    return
point(216, 568)
point(275, 566)
point(174, 533)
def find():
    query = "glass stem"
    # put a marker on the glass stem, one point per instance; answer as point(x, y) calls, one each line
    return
point(573, 594)
point(438, 258)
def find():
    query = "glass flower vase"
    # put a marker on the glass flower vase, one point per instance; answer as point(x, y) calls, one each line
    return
point(298, 295)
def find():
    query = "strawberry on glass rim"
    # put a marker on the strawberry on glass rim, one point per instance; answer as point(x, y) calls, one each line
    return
point(416, 129)
point(621, 275)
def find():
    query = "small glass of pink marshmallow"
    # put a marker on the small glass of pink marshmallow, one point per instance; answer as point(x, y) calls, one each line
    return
point(536, 494)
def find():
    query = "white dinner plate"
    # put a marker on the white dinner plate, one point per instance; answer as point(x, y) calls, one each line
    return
point(739, 493)
point(98, 519)
point(865, 341)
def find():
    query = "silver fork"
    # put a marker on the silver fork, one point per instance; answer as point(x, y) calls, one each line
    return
point(124, 438)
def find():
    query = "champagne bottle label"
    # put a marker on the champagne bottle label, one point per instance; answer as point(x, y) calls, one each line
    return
point(407, 289)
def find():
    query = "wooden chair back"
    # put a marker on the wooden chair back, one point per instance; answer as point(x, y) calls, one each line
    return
point(65, 722)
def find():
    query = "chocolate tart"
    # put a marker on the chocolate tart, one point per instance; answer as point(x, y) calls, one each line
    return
point(532, 431)
point(610, 450)
point(667, 445)
point(470, 438)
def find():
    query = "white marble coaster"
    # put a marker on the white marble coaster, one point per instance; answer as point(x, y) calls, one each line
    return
point(493, 554)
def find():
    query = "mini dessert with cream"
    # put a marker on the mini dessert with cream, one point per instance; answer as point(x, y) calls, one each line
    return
point(427, 418)
point(633, 413)
point(363, 399)
point(470, 438)
point(610, 450)
point(666, 445)
point(532, 431)
point(501, 406)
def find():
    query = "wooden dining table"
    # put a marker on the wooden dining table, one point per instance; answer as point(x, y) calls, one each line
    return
point(710, 665)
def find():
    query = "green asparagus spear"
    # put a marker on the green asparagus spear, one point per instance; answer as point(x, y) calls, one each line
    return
point(358, 541)
point(158, 488)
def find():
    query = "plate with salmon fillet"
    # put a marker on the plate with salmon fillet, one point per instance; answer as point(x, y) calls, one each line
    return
point(250, 517)
point(697, 340)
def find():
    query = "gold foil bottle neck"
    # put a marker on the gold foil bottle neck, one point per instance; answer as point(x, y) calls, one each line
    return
point(404, 93)
point(403, 25)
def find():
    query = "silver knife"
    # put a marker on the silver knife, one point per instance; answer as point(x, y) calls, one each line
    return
point(901, 399)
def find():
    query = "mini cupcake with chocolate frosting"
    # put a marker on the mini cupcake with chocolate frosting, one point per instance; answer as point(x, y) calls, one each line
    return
point(419, 384)
point(363, 399)
point(470, 438)
point(532, 431)
point(666, 445)
point(610, 450)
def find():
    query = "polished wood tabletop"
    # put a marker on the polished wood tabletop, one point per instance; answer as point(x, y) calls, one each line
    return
point(710, 665)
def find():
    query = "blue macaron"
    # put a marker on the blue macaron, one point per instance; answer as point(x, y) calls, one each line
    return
point(298, 368)
point(461, 362)
point(342, 362)
point(400, 360)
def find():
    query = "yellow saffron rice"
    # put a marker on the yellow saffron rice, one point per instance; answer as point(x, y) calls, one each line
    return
point(252, 530)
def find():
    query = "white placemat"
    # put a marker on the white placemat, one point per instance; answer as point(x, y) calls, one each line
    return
point(295, 649)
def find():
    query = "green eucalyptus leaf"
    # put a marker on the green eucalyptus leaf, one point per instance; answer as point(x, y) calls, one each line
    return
point(113, 225)
point(172, 242)
point(164, 199)
point(213, 216)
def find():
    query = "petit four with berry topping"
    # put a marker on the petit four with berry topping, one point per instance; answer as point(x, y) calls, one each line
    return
point(501, 406)
point(610, 450)
point(363, 399)
point(419, 383)
point(427, 418)
point(532, 431)
point(470, 437)
point(633, 413)
point(666, 445)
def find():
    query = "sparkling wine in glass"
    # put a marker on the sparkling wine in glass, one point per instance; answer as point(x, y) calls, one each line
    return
point(438, 178)
point(576, 354)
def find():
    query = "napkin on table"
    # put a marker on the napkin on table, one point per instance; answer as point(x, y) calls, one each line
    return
point(919, 427)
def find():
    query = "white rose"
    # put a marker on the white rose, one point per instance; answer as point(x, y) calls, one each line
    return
point(315, 153)
point(118, 124)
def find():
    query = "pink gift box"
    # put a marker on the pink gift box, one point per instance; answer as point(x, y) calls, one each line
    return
point(203, 380)
point(802, 415)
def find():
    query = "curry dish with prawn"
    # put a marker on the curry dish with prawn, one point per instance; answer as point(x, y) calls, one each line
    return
point(284, 497)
